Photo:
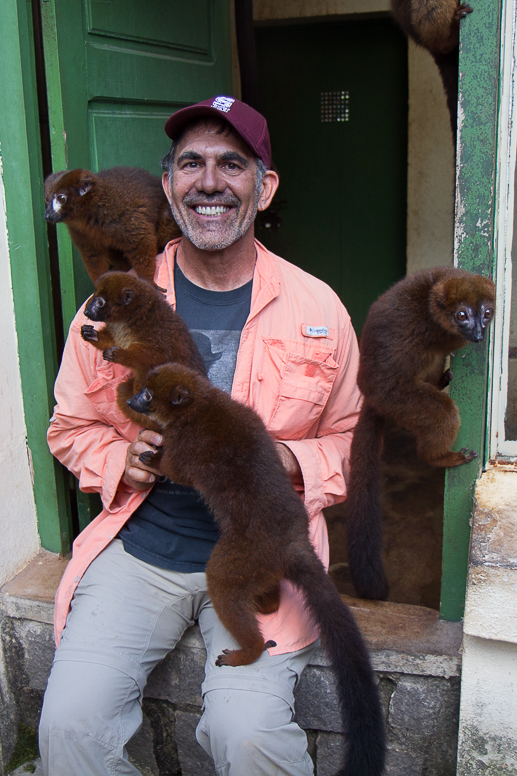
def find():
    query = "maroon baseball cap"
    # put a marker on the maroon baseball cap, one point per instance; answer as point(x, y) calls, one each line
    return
point(246, 121)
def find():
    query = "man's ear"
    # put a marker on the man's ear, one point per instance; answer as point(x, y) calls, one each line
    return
point(166, 185)
point(181, 396)
point(270, 183)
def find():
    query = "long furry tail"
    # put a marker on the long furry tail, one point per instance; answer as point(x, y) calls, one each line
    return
point(364, 516)
point(357, 688)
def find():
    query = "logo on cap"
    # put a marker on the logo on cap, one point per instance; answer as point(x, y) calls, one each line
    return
point(223, 103)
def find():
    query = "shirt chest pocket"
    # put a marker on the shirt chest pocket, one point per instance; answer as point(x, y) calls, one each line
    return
point(298, 386)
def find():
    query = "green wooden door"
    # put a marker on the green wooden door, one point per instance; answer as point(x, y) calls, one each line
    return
point(335, 97)
point(115, 71)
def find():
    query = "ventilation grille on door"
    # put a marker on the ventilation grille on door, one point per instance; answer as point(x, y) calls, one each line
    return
point(335, 106)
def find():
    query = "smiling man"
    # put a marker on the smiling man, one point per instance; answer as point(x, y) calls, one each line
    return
point(215, 189)
point(278, 340)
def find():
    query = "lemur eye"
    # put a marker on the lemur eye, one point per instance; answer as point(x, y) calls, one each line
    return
point(488, 313)
point(61, 198)
point(461, 316)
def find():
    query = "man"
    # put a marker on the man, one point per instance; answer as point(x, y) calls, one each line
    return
point(282, 342)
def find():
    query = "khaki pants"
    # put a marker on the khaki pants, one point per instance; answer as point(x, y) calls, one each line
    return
point(125, 616)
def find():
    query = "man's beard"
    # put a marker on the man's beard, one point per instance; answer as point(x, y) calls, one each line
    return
point(220, 236)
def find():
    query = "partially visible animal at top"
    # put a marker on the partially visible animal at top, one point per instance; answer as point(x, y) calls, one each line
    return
point(141, 332)
point(221, 448)
point(435, 25)
point(409, 332)
point(118, 218)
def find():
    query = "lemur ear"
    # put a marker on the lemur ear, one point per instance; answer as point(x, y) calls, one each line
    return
point(126, 296)
point(181, 396)
point(86, 182)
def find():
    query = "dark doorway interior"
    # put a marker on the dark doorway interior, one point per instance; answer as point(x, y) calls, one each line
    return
point(335, 97)
point(412, 505)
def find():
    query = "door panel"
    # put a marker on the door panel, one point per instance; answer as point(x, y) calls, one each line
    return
point(167, 23)
point(122, 132)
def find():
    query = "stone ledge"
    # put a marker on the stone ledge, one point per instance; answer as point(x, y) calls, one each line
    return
point(401, 638)
point(39, 579)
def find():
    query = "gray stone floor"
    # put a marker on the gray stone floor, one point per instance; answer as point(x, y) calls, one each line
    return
point(33, 767)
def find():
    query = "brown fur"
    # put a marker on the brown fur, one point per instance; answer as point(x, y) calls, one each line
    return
point(142, 331)
point(117, 218)
point(435, 25)
point(221, 448)
point(408, 333)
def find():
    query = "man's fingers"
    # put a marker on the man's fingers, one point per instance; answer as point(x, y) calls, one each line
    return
point(140, 475)
point(135, 461)
point(150, 438)
point(136, 472)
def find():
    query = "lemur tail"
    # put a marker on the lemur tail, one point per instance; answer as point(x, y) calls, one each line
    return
point(357, 689)
point(364, 516)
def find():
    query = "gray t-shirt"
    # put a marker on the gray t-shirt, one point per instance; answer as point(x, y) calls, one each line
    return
point(173, 528)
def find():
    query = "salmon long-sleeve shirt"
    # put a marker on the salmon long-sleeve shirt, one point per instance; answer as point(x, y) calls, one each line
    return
point(296, 366)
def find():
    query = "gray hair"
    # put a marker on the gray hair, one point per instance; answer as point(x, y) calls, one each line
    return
point(167, 162)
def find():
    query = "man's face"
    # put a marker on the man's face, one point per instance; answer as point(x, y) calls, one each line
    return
point(213, 193)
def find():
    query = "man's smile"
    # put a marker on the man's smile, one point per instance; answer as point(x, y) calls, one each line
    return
point(211, 210)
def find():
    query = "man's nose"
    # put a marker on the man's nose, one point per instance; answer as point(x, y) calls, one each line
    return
point(211, 179)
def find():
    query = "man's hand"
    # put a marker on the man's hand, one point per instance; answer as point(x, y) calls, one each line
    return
point(136, 474)
point(290, 463)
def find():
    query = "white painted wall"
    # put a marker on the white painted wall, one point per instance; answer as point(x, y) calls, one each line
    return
point(430, 214)
point(19, 540)
point(488, 726)
point(488, 712)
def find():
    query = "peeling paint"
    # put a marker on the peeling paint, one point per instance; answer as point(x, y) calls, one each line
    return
point(31, 466)
point(486, 754)
point(491, 603)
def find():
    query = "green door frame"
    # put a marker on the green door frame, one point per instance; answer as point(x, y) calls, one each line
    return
point(28, 249)
point(59, 153)
point(474, 251)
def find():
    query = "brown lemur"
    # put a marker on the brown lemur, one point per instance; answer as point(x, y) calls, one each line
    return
point(222, 448)
point(118, 218)
point(409, 332)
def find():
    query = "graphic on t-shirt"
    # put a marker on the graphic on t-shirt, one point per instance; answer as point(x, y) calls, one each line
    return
point(204, 345)
point(218, 349)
